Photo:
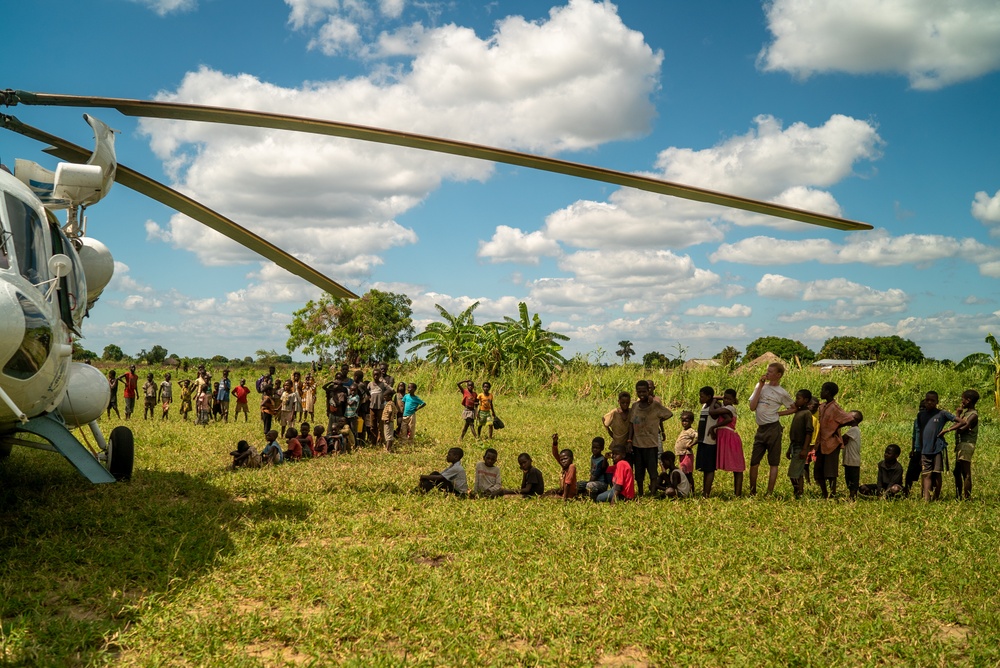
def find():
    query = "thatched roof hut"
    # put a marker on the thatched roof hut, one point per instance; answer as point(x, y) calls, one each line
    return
point(760, 363)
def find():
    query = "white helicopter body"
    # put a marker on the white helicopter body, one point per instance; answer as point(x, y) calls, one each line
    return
point(50, 276)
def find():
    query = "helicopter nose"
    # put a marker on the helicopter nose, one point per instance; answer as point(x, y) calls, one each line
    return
point(11, 322)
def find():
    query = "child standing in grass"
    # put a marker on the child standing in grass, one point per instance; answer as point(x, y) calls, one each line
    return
point(811, 457)
point(411, 404)
point(166, 396)
point(831, 418)
point(599, 479)
point(488, 476)
point(705, 460)
point(889, 483)
point(684, 446)
point(451, 479)
point(622, 480)
point(616, 421)
point(388, 422)
point(729, 445)
point(645, 418)
point(965, 443)
point(929, 427)
point(469, 401)
point(852, 455)
point(672, 482)
point(567, 480)
point(203, 404)
point(800, 437)
point(487, 411)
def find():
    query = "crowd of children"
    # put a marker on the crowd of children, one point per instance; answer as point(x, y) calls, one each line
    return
point(821, 433)
point(823, 437)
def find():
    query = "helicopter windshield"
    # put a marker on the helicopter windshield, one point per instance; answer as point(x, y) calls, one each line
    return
point(35, 345)
point(28, 235)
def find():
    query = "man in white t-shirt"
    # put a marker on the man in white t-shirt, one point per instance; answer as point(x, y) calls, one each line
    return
point(767, 398)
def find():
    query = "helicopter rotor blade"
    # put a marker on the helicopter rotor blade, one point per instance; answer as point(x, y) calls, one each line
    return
point(193, 112)
point(182, 203)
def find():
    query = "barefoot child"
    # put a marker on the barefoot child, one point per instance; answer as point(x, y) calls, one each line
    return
point(469, 401)
point(245, 456)
point(800, 438)
point(705, 459)
point(831, 418)
point(965, 442)
point(567, 480)
point(684, 447)
point(852, 455)
point(929, 426)
point(729, 446)
point(272, 454)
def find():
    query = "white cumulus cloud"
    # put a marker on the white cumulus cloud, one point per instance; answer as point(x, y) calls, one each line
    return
point(510, 244)
point(932, 43)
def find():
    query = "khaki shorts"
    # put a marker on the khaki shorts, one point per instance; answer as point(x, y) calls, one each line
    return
point(797, 464)
point(964, 452)
point(767, 441)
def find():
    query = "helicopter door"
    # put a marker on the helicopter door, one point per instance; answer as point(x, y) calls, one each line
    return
point(73, 285)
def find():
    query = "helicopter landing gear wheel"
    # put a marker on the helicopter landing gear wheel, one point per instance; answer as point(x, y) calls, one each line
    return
point(121, 453)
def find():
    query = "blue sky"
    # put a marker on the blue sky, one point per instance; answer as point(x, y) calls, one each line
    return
point(877, 110)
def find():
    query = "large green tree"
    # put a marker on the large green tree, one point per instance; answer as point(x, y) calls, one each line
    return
point(113, 353)
point(361, 331)
point(449, 341)
point(882, 348)
point(786, 349)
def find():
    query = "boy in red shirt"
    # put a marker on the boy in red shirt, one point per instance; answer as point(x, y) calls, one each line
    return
point(622, 482)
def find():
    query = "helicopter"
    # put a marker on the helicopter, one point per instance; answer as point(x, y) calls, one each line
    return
point(52, 273)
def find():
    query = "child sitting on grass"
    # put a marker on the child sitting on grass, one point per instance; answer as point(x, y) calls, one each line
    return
point(294, 451)
point(488, 476)
point(672, 482)
point(319, 441)
point(272, 454)
point(889, 483)
point(599, 478)
point(245, 456)
point(532, 483)
point(567, 480)
point(451, 479)
point(622, 480)
point(346, 442)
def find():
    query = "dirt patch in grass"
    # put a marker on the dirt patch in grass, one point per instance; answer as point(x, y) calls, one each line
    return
point(632, 657)
point(432, 561)
point(272, 654)
point(954, 633)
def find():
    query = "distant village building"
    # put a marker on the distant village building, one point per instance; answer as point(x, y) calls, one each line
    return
point(828, 365)
point(700, 364)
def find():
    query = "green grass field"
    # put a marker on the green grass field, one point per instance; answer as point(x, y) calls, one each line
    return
point(336, 561)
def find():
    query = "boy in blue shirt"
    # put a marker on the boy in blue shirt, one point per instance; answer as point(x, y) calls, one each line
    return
point(272, 452)
point(928, 439)
point(411, 404)
point(599, 478)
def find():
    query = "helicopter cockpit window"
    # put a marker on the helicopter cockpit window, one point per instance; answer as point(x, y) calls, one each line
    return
point(28, 237)
point(35, 345)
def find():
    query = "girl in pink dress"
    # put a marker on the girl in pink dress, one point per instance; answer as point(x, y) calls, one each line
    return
point(729, 456)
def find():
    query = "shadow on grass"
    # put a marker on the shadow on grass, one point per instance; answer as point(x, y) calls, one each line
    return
point(79, 562)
